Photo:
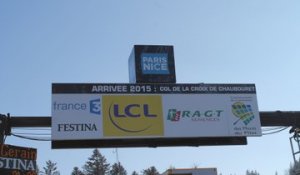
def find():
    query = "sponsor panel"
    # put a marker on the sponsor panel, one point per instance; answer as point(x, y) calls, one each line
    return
point(110, 111)
point(245, 120)
point(76, 116)
point(15, 160)
point(203, 115)
point(130, 115)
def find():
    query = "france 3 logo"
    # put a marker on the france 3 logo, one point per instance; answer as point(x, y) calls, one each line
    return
point(93, 106)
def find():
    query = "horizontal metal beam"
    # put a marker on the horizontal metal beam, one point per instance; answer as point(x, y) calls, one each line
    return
point(277, 118)
point(154, 142)
point(280, 118)
point(25, 121)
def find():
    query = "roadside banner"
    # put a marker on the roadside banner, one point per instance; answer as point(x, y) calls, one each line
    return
point(15, 160)
point(126, 111)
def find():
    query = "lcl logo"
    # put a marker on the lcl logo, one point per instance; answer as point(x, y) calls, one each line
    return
point(138, 115)
point(132, 110)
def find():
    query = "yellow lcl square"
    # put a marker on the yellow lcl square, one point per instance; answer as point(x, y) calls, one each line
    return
point(132, 115)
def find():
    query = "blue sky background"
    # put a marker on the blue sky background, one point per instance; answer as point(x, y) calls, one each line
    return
point(215, 41)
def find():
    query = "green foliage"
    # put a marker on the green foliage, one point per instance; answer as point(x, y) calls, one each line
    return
point(117, 169)
point(96, 164)
point(150, 171)
point(134, 173)
point(77, 171)
point(294, 168)
point(50, 168)
point(252, 172)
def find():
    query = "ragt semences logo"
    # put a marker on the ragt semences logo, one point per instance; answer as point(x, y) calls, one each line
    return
point(137, 115)
point(176, 115)
point(243, 112)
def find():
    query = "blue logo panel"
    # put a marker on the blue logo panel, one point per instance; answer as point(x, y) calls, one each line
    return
point(95, 106)
point(154, 63)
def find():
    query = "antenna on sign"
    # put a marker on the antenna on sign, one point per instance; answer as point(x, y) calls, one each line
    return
point(117, 156)
point(117, 159)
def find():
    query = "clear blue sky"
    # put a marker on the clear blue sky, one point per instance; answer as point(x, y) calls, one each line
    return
point(215, 41)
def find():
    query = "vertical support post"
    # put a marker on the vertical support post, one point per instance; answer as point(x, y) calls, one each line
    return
point(2, 128)
point(292, 147)
point(295, 138)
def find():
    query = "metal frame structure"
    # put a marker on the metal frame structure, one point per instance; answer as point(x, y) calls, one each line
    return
point(268, 119)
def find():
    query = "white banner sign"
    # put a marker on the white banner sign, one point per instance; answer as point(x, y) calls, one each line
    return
point(114, 111)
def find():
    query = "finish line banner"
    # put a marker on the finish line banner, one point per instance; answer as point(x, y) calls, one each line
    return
point(137, 111)
point(15, 160)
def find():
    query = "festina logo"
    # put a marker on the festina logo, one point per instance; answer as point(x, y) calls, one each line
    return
point(68, 127)
point(17, 164)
